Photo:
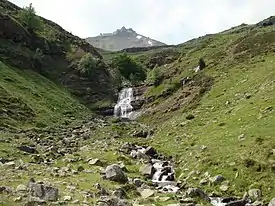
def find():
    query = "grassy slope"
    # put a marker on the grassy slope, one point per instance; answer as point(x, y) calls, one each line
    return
point(35, 98)
point(243, 67)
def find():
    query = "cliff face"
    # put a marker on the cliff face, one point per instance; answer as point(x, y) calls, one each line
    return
point(52, 52)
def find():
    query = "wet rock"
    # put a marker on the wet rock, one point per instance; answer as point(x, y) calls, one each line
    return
point(21, 188)
point(27, 149)
point(255, 194)
point(43, 191)
point(146, 193)
point(150, 151)
point(196, 192)
point(147, 170)
point(217, 179)
point(272, 202)
point(115, 173)
point(95, 162)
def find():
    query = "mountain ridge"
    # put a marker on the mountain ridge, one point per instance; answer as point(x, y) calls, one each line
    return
point(122, 38)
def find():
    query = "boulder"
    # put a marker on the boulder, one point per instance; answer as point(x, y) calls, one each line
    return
point(43, 191)
point(115, 173)
point(147, 170)
point(21, 188)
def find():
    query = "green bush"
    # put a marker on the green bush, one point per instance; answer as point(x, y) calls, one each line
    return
point(28, 17)
point(129, 68)
point(87, 64)
point(154, 77)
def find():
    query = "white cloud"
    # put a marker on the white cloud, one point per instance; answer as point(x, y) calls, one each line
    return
point(173, 21)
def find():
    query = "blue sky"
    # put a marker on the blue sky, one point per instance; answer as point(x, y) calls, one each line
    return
point(169, 21)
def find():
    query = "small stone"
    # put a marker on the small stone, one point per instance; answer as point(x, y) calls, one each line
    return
point(10, 164)
point(137, 182)
point(217, 179)
point(75, 202)
point(203, 181)
point(67, 198)
point(255, 194)
point(17, 199)
point(242, 137)
point(95, 162)
point(203, 147)
point(224, 188)
point(146, 193)
point(164, 199)
point(196, 192)
point(257, 203)
point(21, 188)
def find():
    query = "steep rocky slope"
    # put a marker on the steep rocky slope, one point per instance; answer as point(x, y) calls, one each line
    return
point(121, 39)
point(53, 53)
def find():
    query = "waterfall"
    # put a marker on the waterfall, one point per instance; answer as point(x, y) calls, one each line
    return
point(123, 108)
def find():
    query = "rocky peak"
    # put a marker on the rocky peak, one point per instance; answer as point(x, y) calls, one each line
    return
point(125, 32)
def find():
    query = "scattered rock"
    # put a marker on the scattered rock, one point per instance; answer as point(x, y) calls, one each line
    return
point(204, 181)
point(150, 151)
point(255, 194)
point(119, 193)
point(115, 173)
point(146, 193)
point(257, 203)
point(75, 202)
point(27, 149)
point(80, 168)
point(44, 192)
point(217, 179)
point(140, 133)
point(112, 201)
point(67, 198)
point(164, 199)
point(21, 188)
point(272, 202)
point(95, 162)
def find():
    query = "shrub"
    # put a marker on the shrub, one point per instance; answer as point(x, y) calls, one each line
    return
point(28, 17)
point(87, 64)
point(154, 77)
point(129, 68)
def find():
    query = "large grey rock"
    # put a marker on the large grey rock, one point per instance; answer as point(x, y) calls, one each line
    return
point(21, 188)
point(272, 202)
point(115, 173)
point(255, 194)
point(147, 170)
point(43, 191)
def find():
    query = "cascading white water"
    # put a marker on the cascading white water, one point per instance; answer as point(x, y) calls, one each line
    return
point(123, 108)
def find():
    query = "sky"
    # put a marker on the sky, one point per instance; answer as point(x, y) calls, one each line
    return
point(169, 21)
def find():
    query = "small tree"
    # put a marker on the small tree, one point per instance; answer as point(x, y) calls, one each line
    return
point(87, 64)
point(28, 17)
point(154, 77)
point(129, 68)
